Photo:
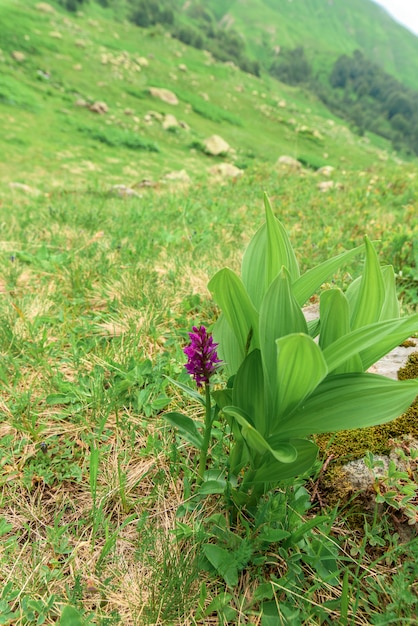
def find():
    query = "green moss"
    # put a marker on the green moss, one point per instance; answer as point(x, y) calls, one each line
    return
point(348, 445)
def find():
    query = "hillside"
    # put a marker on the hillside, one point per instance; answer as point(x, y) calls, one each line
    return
point(56, 67)
point(325, 29)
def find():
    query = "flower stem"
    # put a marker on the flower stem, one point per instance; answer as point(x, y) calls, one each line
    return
point(206, 435)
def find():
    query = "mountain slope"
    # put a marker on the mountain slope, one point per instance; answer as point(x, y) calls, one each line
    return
point(326, 28)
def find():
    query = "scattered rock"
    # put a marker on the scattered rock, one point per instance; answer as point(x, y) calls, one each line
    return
point(360, 477)
point(215, 145)
point(204, 96)
point(55, 34)
point(164, 94)
point(99, 107)
point(25, 188)
point(80, 103)
point(180, 176)
point(226, 170)
point(170, 121)
point(44, 7)
point(128, 112)
point(183, 67)
point(325, 185)
point(77, 67)
point(326, 170)
point(146, 182)
point(142, 61)
point(289, 162)
point(18, 56)
point(124, 191)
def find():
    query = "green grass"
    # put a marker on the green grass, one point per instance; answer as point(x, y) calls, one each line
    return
point(99, 292)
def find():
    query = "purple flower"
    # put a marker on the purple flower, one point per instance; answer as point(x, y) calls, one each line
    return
point(201, 354)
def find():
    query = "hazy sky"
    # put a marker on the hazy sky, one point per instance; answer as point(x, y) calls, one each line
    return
point(403, 11)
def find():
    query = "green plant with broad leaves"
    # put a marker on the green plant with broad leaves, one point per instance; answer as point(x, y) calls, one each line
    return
point(284, 385)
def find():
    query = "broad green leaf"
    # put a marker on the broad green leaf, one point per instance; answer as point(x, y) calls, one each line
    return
point(272, 471)
point(407, 327)
point(222, 397)
point(283, 451)
point(350, 401)
point(190, 392)
point(280, 315)
point(224, 563)
point(305, 286)
point(186, 427)
point(267, 252)
point(334, 313)
point(300, 369)
point(370, 341)
point(209, 487)
point(230, 294)
point(390, 308)
point(371, 292)
point(71, 617)
point(248, 390)
point(279, 249)
point(229, 349)
point(314, 326)
point(335, 323)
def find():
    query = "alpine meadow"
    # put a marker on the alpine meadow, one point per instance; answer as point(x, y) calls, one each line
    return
point(208, 313)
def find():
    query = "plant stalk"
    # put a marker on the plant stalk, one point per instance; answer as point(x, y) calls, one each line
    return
point(206, 435)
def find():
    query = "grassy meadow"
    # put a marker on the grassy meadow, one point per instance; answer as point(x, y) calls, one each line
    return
point(99, 289)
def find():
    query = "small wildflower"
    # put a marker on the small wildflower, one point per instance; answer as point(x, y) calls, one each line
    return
point(201, 354)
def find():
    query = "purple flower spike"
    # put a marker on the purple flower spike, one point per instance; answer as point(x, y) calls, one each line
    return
point(201, 354)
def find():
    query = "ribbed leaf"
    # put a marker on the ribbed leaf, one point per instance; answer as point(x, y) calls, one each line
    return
point(230, 294)
point(229, 349)
point(335, 317)
point(279, 248)
point(267, 252)
point(335, 323)
point(350, 401)
point(406, 328)
point(370, 341)
point(272, 471)
point(371, 294)
point(186, 427)
point(248, 391)
point(310, 281)
point(300, 369)
point(283, 452)
point(280, 315)
point(190, 392)
point(390, 308)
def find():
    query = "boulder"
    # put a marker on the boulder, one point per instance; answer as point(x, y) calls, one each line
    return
point(326, 185)
point(44, 7)
point(289, 162)
point(124, 191)
point(215, 145)
point(25, 188)
point(226, 170)
point(180, 176)
point(164, 94)
point(326, 170)
point(170, 121)
point(18, 56)
point(99, 107)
